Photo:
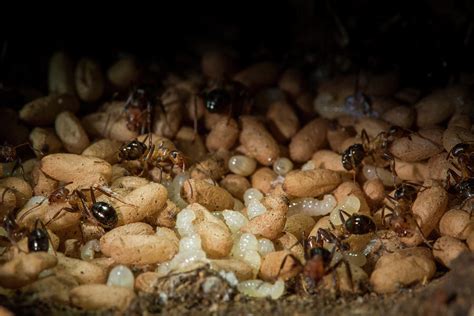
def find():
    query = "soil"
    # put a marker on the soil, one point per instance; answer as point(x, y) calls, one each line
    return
point(449, 294)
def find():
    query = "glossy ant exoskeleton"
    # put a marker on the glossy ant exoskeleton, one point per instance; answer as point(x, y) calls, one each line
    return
point(463, 156)
point(151, 155)
point(225, 97)
point(98, 212)
point(356, 224)
point(38, 239)
point(377, 148)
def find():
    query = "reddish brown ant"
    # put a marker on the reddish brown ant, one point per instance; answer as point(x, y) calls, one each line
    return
point(9, 153)
point(401, 219)
point(152, 156)
point(353, 156)
point(139, 109)
point(319, 259)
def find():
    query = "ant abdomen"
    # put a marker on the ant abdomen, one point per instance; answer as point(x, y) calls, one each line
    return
point(105, 214)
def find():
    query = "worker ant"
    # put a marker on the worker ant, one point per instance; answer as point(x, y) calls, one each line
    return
point(463, 156)
point(356, 224)
point(377, 148)
point(401, 219)
point(463, 189)
point(8, 153)
point(353, 156)
point(319, 259)
point(225, 96)
point(97, 212)
point(139, 108)
point(151, 155)
point(38, 239)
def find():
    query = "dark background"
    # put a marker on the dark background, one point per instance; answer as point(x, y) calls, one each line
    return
point(429, 41)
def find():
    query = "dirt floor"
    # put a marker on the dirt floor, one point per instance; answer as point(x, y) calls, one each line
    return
point(450, 294)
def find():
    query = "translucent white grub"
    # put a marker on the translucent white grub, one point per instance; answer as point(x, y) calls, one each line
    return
point(89, 249)
point(174, 190)
point(121, 276)
point(255, 208)
point(308, 166)
point(234, 220)
point(350, 205)
point(312, 206)
point(265, 246)
point(252, 194)
point(242, 165)
point(282, 166)
point(184, 222)
point(371, 172)
point(259, 288)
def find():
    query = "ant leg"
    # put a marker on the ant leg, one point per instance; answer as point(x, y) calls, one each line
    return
point(55, 216)
point(195, 119)
point(17, 165)
point(43, 226)
point(108, 192)
point(341, 212)
point(452, 174)
point(426, 241)
point(365, 138)
point(20, 219)
point(290, 255)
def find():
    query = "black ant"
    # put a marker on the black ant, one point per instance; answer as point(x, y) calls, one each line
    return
point(356, 224)
point(226, 97)
point(38, 239)
point(98, 212)
point(151, 155)
point(377, 148)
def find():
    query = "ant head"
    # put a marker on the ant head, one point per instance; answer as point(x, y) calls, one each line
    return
point(459, 149)
point(353, 156)
point(217, 100)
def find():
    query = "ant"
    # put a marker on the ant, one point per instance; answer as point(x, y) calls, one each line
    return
point(98, 212)
point(226, 97)
point(151, 155)
point(463, 153)
point(38, 239)
point(139, 108)
point(401, 219)
point(319, 259)
point(356, 224)
point(353, 156)
point(463, 189)
point(8, 153)
point(377, 148)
